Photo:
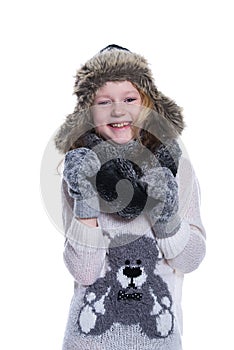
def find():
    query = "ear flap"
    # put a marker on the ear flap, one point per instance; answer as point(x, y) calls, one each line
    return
point(71, 130)
point(168, 109)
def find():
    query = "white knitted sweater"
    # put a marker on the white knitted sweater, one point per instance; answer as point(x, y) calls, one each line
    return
point(102, 314)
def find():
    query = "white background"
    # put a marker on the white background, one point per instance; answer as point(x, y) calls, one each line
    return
point(189, 45)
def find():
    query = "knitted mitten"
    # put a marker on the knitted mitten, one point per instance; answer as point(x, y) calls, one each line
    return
point(121, 179)
point(80, 166)
point(119, 186)
point(117, 180)
point(162, 188)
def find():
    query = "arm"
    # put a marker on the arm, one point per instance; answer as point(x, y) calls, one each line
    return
point(186, 250)
point(84, 251)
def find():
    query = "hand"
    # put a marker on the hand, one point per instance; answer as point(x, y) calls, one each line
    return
point(80, 166)
point(162, 188)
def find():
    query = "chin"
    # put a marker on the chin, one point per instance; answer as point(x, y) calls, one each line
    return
point(121, 141)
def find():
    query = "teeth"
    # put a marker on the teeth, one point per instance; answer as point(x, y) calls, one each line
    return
point(119, 125)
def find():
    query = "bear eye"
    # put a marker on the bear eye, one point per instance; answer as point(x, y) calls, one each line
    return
point(127, 262)
point(138, 262)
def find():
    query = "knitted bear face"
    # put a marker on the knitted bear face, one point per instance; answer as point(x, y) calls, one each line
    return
point(130, 292)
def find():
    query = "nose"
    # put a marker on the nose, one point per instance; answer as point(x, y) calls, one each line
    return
point(118, 109)
point(132, 272)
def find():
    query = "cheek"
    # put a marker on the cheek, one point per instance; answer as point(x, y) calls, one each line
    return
point(96, 118)
point(100, 118)
point(100, 129)
point(135, 110)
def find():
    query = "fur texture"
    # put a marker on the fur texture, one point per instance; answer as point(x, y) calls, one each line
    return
point(128, 179)
point(114, 64)
point(80, 165)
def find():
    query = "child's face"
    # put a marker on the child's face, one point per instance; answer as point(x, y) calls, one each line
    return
point(115, 108)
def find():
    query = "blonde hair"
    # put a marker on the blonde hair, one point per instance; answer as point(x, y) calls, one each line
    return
point(148, 105)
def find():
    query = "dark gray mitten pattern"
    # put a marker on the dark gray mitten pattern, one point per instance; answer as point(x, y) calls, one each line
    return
point(80, 166)
point(162, 188)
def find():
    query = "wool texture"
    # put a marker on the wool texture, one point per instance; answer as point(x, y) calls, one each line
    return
point(127, 295)
point(128, 271)
point(145, 181)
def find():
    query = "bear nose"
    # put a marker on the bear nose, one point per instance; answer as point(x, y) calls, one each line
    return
point(132, 272)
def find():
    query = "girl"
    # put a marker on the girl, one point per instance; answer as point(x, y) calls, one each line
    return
point(130, 208)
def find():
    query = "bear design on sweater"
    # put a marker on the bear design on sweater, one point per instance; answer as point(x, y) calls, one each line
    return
point(130, 292)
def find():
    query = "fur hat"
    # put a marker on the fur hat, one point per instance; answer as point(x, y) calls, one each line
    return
point(115, 63)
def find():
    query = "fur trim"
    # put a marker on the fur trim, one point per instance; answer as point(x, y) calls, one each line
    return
point(115, 64)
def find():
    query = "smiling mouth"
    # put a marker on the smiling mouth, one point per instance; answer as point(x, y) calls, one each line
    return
point(119, 125)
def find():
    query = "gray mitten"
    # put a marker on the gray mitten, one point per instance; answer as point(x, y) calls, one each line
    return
point(80, 166)
point(162, 189)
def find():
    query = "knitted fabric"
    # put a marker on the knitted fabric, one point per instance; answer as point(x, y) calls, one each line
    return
point(153, 188)
point(127, 273)
point(128, 297)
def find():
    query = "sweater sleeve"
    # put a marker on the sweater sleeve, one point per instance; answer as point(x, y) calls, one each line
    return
point(84, 251)
point(186, 249)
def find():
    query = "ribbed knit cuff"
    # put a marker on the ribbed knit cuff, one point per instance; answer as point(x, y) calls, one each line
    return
point(174, 245)
point(84, 237)
point(87, 208)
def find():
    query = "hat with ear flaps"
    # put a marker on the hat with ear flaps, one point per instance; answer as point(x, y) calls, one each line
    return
point(115, 63)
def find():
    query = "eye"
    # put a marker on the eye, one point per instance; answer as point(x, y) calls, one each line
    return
point(138, 262)
point(127, 262)
point(104, 103)
point(130, 99)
